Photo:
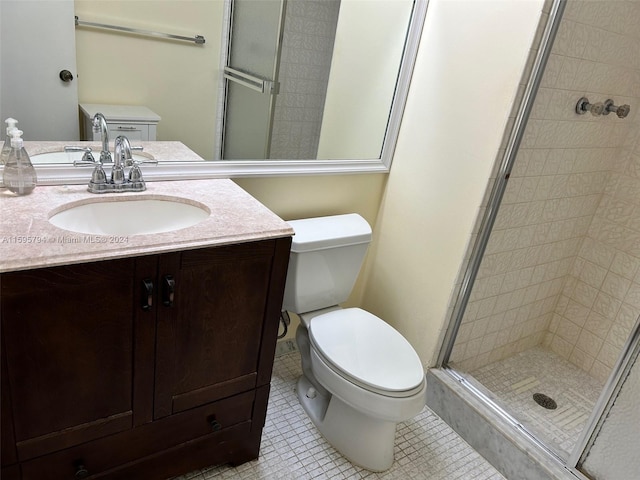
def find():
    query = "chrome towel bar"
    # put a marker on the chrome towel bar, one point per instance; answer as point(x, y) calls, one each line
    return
point(198, 39)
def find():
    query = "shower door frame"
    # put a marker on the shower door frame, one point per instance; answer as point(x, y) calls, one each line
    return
point(264, 86)
point(631, 348)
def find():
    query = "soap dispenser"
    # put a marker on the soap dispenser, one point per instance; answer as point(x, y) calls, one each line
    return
point(6, 147)
point(19, 174)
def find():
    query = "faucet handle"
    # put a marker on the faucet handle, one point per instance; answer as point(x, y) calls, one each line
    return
point(81, 163)
point(135, 179)
point(87, 161)
point(98, 176)
point(135, 174)
point(74, 148)
point(98, 182)
point(87, 158)
point(141, 162)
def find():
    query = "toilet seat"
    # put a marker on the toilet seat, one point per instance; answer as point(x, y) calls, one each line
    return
point(367, 351)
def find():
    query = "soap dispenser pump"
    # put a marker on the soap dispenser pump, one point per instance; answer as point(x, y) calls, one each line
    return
point(6, 147)
point(19, 174)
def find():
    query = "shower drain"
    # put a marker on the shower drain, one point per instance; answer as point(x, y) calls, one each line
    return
point(545, 401)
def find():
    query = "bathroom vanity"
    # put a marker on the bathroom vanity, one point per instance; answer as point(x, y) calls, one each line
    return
point(142, 356)
point(137, 122)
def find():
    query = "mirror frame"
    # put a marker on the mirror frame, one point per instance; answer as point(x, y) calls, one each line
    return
point(68, 174)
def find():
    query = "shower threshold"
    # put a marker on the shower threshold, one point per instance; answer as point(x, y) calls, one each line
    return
point(491, 431)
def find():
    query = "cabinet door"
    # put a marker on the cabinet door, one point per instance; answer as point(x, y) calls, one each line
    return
point(68, 337)
point(7, 441)
point(209, 338)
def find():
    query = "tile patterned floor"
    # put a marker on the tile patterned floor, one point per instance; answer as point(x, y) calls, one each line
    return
point(426, 448)
point(514, 380)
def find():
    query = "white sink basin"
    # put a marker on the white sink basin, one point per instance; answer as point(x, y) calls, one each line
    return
point(70, 157)
point(130, 216)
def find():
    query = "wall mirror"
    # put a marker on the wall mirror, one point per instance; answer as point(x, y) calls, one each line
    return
point(338, 72)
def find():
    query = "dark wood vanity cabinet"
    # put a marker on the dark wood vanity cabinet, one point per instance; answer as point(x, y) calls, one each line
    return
point(144, 367)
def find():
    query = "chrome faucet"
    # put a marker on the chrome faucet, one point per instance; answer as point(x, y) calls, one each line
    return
point(118, 182)
point(100, 126)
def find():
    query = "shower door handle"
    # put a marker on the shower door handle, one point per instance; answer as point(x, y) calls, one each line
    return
point(258, 84)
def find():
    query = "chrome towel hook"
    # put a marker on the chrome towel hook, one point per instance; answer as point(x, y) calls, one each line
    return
point(621, 111)
point(583, 106)
point(596, 109)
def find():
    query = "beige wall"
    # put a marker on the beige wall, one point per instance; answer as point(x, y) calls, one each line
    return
point(471, 58)
point(299, 197)
point(364, 66)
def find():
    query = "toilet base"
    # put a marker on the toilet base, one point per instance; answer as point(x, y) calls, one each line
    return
point(364, 440)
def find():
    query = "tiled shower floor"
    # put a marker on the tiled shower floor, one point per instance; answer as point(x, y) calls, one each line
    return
point(514, 380)
point(426, 448)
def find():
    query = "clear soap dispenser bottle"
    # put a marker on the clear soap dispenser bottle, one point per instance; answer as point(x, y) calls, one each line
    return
point(6, 147)
point(19, 174)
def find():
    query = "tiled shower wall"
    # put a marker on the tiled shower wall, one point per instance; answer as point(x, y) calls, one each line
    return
point(561, 267)
point(601, 297)
point(307, 49)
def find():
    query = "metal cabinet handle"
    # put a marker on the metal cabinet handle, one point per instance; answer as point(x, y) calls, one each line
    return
point(147, 294)
point(168, 290)
point(81, 471)
point(215, 425)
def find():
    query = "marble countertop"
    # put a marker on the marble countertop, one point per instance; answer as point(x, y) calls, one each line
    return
point(28, 240)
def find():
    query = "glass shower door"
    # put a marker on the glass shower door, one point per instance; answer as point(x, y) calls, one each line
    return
point(252, 77)
point(550, 293)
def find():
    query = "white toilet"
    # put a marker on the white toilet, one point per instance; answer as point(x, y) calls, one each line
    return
point(360, 376)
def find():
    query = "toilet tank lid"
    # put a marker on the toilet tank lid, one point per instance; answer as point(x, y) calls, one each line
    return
point(327, 232)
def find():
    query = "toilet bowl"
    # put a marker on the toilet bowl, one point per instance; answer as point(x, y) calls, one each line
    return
point(360, 376)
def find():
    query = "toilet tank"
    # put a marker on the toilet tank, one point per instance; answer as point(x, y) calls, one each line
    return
point(326, 256)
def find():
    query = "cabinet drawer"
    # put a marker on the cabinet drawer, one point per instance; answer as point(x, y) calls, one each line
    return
point(134, 132)
point(100, 456)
